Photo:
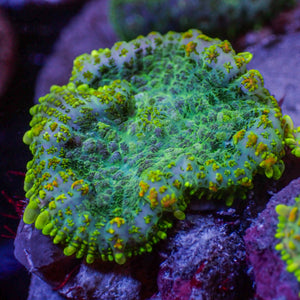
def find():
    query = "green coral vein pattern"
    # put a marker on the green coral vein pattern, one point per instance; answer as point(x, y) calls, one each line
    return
point(139, 129)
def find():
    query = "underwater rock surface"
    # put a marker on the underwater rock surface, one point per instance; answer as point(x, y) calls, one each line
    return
point(66, 275)
point(37, 254)
point(41, 290)
point(281, 73)
point(206, 262)
point(201, 260)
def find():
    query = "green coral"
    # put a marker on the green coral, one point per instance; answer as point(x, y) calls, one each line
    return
point(292, 135)
point(137, 131)
point(288, 231)
point(214, 17)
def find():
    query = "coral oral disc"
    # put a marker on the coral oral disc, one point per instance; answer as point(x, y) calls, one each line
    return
point(138, 130)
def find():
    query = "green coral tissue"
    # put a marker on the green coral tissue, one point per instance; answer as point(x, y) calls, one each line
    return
point(138, 130)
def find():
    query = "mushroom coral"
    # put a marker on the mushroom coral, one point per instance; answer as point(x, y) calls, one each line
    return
point(139, 130)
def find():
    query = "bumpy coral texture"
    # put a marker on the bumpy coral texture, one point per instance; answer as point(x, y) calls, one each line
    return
point(215, 17)
point(288, 231)
point(137, 131)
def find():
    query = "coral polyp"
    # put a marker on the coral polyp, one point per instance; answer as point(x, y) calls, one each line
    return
point(139, 129)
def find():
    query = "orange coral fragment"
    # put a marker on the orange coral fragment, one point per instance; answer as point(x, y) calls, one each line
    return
point(168, 200)
point(190, 47)
point(250, 82)
point(293, 214)
point(238, 136)
point(153, 197)
point(144, 188)
point(226, 47)
point(118, 244)
point(252, 140)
